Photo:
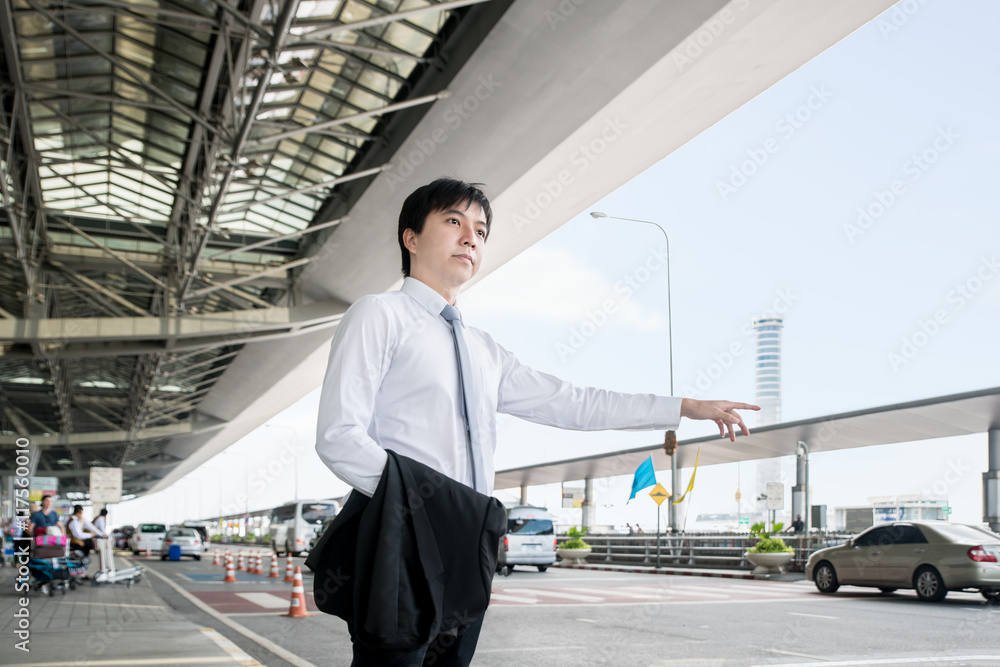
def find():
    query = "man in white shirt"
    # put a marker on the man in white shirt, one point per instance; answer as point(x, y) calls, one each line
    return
point(393, 379)
point(82, 532)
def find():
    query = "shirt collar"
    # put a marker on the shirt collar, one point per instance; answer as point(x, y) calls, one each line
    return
point(425, 295)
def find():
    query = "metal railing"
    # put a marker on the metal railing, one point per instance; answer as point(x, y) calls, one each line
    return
point(714, 550)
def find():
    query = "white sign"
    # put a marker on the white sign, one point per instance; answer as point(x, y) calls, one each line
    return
point(775, 496)
point(105, 485)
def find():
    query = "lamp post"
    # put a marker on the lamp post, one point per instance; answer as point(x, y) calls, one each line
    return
point(675, 475)
point(295, 454)
point(246, 484)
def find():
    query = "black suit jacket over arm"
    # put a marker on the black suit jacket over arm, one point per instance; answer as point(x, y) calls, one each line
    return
point(414, 560)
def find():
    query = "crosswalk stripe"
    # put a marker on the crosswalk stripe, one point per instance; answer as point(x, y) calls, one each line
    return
point(512, 598)
point(266, 600)
point(568, 596)
point(615, 591)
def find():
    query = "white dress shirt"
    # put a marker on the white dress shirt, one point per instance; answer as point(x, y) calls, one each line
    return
point(392, 383)
point(78, 526)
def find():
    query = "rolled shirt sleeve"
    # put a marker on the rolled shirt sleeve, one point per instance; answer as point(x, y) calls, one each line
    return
point(359, 357)
point(545, 399)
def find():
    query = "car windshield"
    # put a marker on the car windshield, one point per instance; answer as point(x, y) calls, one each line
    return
point(529, 526)
point(152, 528)
point(963, 533)
point(183, 532)
point(314, 513)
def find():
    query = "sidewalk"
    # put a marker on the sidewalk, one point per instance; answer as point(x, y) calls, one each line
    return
point(107, 624)
point(688, 572)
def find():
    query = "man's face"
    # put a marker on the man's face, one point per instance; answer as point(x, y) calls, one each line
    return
point(46, 504)
point(450, 247)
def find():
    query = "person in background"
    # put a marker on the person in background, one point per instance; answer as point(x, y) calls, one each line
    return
point(82, 532)
point(44, 518)
point(798, 525)
point(101, 521)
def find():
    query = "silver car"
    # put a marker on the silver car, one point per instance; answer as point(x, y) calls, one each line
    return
point(932, 557)
point(530, 539)
point(187, 539)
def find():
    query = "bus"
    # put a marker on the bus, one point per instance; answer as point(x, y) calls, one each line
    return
point(293, 525)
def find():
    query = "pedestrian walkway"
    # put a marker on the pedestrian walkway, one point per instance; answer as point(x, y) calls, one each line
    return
point(101, 625)
point(656, 592)
point(679, 571)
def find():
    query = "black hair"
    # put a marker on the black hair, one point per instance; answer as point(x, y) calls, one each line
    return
point(44, 497)
point(77, 508)
point(440, 195)
point(104, 511)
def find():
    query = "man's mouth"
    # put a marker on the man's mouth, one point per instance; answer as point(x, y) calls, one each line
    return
point(465, 257)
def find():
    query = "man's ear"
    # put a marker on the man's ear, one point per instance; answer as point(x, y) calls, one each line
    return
point(409, 239)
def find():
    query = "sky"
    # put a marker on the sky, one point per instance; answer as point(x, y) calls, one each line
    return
point(857, 197)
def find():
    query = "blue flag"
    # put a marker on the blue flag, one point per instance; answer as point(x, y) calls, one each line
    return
point(644, 477)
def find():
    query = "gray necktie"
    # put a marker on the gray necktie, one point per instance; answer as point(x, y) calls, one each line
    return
point(466, 382)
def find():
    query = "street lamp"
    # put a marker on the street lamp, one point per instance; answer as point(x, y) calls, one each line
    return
point(246, 483)
point(675, 475)
point(295, 453)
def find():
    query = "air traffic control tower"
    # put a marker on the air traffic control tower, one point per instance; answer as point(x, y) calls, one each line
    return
point(767, 367)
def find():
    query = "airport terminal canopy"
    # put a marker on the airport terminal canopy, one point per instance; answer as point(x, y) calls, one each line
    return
point(183, 159)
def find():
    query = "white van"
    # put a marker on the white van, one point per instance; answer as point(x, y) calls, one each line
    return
point(293, 525)
point(530, 539)
point(147, 535)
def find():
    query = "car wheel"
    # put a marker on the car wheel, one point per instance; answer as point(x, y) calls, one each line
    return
point(886, 591)
point(991, 595)
point(542, 568)
point(825, 578)
point(197, 557)
point(929, 585)
point(506, 570)
point(163, 558)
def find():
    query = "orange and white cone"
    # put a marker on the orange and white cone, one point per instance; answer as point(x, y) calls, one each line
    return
point(215, 559)
point(297, 609)
point(228, 558)
point(230, 574)
point(240, 565)
point(148, 553)
point(274, 567)
point(289, 576)
point(260, 564)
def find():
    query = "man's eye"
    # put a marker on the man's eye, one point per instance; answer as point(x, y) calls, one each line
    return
point(452, 219)
point(481, 232)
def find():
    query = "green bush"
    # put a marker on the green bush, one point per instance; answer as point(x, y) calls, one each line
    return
point(575, 540)
point(765, 543)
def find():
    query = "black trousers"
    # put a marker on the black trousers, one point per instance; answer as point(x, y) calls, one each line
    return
point(447, 650)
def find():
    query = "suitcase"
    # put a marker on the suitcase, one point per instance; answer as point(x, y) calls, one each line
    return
point(50, 540)
point(49, 551)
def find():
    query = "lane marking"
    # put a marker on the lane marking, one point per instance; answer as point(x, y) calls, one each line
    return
point(798, 613)
point(614, 591)
point(586, 620)
point(568, 596)
point(512, 598)
point(526, 648)
point(234, 651)
point(264, 642)
point(893, 661)
point(113, 604)
point(266, 600)
point(133, 661)
point(797, 655)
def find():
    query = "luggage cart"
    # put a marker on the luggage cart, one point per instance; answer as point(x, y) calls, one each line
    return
point(108, 573)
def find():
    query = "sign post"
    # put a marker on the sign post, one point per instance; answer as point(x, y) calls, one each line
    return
point(659, 494)
point(775, 498)
point(105, 485)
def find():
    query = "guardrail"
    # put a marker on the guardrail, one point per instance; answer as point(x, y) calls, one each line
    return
point(714, 550)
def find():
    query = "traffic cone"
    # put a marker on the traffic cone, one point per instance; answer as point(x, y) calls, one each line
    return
point(240, 565)
point(297, 609)
point(215, 559)
point(289, 577)
point(260, 564)
point(274, 567)
point(148, 553)
point(228, 558)
point(230, 574)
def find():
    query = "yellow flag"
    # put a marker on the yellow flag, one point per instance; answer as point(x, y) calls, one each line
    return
point(691, 483)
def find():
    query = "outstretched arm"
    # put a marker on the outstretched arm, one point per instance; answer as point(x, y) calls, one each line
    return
point(722, 413)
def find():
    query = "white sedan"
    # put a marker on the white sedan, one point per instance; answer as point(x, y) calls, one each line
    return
point(932, 557)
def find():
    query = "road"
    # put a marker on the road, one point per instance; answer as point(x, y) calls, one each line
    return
point(572, 617)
